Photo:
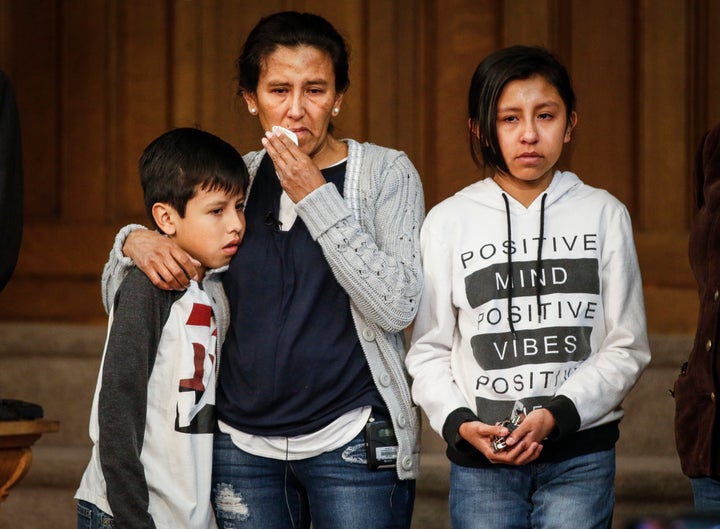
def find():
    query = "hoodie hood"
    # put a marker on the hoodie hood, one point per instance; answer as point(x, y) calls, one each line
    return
point(488, 193)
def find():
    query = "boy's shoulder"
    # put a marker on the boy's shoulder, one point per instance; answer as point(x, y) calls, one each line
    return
point(137, 293)
point(137, 281)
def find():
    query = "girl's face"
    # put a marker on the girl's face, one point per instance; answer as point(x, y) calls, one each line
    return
point(296, 90)
point(532, 128)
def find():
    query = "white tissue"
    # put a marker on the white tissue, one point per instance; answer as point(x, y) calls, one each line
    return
point(290, 134)
point(287, 214)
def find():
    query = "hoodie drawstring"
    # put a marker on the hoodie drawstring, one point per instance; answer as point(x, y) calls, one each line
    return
point(538, 262)
point(509, 265)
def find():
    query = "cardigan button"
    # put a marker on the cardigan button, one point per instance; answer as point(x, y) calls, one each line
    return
point(717, 295)
point(407, 463)
point(402, 420)
point(368, 334)
point(708, 345)
point(712, 396)
point(385, 380)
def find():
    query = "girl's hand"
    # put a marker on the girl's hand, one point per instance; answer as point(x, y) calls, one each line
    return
point(481, 435)
point(166, 265)
point(536, 426)
point(299, 176)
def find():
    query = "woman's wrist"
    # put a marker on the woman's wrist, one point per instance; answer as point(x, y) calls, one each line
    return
point(119, 247)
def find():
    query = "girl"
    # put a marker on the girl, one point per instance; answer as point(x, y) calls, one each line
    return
point(532, 310)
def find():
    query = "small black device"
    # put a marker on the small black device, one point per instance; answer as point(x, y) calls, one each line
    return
point(381, 446)
point(18, 410)
point(518, 414)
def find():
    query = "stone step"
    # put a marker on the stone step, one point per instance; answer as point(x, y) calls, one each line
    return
point(645, 486)
point(39, 508)
point(56, 365)
point(638, 478)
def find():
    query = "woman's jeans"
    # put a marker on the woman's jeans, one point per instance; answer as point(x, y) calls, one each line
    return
point(333, 490)
point(90, 517)
point(577, 493)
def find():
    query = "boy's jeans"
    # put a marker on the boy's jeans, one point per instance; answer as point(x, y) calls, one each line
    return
point(90, 517)
point(578, 493)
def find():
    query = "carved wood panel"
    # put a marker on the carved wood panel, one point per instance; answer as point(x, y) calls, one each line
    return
point(96, 80)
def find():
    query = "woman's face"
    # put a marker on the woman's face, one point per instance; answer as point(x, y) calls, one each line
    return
point(296, 90)
point(532, 128)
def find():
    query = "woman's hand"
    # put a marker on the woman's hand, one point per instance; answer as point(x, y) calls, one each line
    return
point(166, 265)
point(299, 176)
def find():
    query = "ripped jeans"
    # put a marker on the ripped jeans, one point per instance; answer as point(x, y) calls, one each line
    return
point(252, 492)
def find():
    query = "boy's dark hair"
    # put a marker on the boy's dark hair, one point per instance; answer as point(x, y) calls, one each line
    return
point(181, 161)
point(291, 29)
point(488, 82)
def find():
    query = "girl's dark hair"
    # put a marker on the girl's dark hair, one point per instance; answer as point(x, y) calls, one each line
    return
point(488, 82)
point(181, 161)
point(291, 29)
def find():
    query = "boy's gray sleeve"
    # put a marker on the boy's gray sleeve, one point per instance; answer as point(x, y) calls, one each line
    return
point(117, 267)
point(140, 314)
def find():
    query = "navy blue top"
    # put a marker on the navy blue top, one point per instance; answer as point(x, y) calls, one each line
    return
point(292, 361)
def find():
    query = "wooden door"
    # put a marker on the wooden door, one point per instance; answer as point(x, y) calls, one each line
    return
point(96, 80)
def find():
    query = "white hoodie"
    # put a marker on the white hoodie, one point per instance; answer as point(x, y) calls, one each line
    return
point(588, 348)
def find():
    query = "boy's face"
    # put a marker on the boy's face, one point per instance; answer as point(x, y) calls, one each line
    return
point(213, 227)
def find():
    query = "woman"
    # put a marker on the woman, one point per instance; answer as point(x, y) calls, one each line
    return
point(326, 280)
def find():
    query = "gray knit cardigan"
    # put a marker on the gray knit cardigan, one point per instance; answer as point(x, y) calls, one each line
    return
point(371, 241)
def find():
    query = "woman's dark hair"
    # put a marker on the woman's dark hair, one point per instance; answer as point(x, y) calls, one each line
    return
point(291, 29)
point(181, 161)
point(488, 82)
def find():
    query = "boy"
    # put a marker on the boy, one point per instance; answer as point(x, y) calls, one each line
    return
point(153, 413)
